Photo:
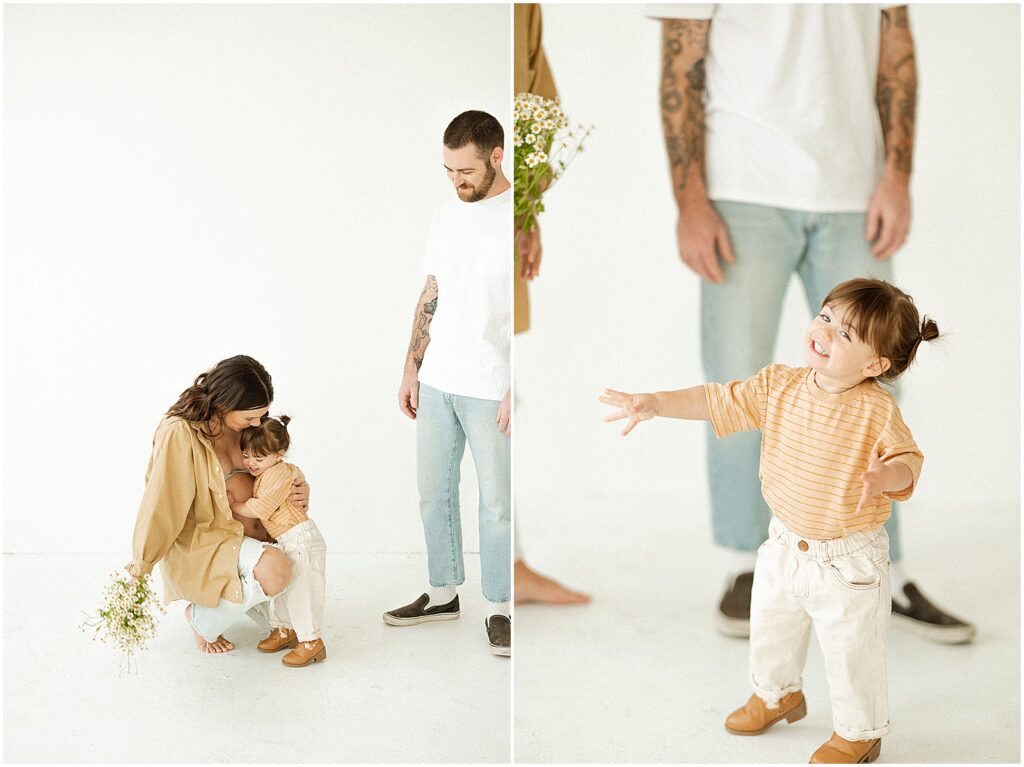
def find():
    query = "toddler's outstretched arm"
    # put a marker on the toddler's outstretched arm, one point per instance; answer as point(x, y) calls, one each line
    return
point(689, 403)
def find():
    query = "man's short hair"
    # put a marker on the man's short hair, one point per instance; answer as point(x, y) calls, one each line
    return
point(474, 127)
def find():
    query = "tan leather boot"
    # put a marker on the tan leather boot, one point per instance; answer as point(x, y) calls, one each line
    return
point(842, 751)
point(755, 717)
point(305, 653)
point(278, 640)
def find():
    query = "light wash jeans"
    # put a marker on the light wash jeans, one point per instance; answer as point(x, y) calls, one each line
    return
point(739, 324)
point(444, 424)
point(841, 588)
point(211, 622)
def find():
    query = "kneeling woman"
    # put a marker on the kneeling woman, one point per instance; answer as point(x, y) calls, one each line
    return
point(221, 565)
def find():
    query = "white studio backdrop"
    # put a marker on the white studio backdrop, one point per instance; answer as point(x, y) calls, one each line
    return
point(184, 183)
point(615, 307)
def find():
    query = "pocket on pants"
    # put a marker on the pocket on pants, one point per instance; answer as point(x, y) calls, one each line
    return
point(856, 573)
point(317, 557)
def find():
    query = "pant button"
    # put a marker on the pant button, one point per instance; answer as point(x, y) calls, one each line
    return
point(802, 546)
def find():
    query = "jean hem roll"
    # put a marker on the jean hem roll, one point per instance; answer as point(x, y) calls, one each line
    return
point(774, 696)
point(848, 734)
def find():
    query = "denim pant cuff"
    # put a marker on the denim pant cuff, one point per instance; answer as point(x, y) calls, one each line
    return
point(848, 734)
point(774, 696)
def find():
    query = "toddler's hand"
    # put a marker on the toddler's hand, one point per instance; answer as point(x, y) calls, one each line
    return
point(635, 407)
point(874, 482)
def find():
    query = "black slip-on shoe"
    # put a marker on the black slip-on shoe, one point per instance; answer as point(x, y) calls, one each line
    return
point(499, 634)
point(418, 612)
point(733, 615)
point(929, 621)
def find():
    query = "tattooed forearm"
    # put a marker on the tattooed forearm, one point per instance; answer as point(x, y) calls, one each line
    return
point(425, 308)
point(896, 89)
point(684, 44)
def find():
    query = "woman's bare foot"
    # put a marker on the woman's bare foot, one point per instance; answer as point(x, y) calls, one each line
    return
point(534, 587)
point(220, 644)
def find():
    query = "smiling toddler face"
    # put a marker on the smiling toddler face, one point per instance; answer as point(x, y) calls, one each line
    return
point(833, 349)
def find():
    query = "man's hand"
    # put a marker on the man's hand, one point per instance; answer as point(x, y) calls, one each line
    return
point(635, 407)
point(529, 248)
point(300, 493)
point(888, 220)
point(703, 239)
point(409, 394)
point(504, 418)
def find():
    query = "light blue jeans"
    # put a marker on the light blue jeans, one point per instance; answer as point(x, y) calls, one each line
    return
point(444, 424)
point(740, 321)
point(211, 622)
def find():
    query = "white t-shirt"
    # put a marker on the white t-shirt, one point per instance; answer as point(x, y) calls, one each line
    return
point(790, 117)
point(469, 252)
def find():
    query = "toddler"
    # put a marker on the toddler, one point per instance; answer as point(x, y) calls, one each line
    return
point(834, 453)
point(295, 614)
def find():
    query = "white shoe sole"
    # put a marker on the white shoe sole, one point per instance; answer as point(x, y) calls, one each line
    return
point(732, 627)
point(391, 620)
point(948, 635)
point(503, 651)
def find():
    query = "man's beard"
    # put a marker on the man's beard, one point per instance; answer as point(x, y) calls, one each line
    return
point(479, 192)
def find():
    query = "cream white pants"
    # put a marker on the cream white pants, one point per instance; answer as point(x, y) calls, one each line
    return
point(841, 588)
point(301, 606)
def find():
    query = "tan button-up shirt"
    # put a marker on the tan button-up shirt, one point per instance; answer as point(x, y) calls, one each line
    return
point(532, 75)
point(184, 520)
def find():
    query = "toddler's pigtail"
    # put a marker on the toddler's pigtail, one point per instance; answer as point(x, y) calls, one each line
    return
point(929, 330)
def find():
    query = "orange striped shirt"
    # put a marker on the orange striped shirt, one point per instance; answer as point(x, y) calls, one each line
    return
point(270, 501)
point(815, 446)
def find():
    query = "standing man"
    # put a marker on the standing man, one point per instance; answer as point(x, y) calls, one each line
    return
point(790, 132)
point(457, 378)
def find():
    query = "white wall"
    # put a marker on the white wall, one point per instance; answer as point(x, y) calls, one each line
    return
point(615, 307)
point(186, 183)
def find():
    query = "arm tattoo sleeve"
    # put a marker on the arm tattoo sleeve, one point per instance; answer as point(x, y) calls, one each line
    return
point(684, 45)
point(896, 88)
point(425, 308)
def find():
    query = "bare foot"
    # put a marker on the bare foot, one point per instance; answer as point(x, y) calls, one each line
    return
point(534, 587)
point(220, 644)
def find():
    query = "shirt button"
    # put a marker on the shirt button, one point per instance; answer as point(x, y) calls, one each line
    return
point(802, 546)
point(219, 495)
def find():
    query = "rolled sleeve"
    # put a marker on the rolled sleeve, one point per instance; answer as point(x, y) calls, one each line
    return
point(698, 11)
point(739, 405)
point(896, 445)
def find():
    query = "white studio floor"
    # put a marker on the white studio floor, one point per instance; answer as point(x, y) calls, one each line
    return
point(429, 693)
point(641, 675)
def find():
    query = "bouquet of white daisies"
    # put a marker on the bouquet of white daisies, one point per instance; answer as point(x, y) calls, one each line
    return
point(127, 616)
point(545, 144)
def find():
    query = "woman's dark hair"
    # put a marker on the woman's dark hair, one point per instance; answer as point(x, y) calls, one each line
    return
point(271, 436)
point(885, 318)
point(237, 383)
